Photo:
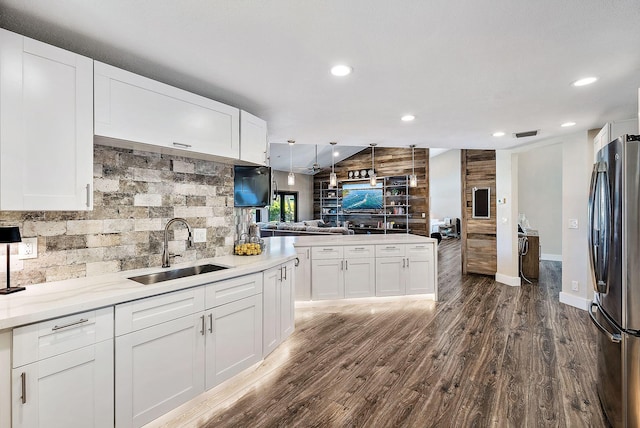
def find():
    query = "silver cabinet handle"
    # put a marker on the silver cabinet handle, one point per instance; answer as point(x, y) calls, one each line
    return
point(346, 265)
point(23, 381)
point(285, 272)
point(88, 195)
point(404, 261)
point(341, 264)
point(359, 248)
point(308, 254)
point(211, 322)
point(407, 261)
point(327, 249)
point(71, 324)
point(186, 146)
point(202, 328)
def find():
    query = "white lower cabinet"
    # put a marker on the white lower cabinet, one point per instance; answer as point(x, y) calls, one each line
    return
point(303, 274)
point(278, 297)
point(169, 348)
point(359, 271)
point(339, 272)
point(405, 269)
point(62, 372)
point(158, 368)
point(233, 338)
point(390, 276)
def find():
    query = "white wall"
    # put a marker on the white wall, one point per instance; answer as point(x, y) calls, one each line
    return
point(577, 163)
point(507, 167)
point(540, 195)
point(304, 187)
point(444, 185)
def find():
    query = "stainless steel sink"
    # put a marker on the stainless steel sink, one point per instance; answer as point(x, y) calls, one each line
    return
point(166, 275)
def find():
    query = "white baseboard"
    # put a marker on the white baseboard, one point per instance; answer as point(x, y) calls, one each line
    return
point(513, 281)
point(551, 257)
point(575, 301)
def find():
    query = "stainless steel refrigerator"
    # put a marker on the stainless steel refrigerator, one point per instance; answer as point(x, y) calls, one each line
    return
point(614, 246)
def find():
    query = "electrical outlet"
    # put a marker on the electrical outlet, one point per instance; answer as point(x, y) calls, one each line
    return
point(424, 215)
point(575, 286)
point(28, 248)
point(199, 235)
point(573, 223)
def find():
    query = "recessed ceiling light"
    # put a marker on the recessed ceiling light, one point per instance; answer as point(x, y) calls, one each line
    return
point(341, 70)
point(498, 134)
point(407, 118)
point(567, 124)
point(585, 81)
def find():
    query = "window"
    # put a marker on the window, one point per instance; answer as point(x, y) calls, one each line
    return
point(284, 207)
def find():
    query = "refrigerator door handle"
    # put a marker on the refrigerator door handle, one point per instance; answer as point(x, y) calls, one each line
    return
point(599, 225)
point(613, 337)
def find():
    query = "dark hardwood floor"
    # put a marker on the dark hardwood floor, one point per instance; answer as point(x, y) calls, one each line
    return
point(485, 355)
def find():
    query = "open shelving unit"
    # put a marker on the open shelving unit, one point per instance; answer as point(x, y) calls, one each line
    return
point(393, 217)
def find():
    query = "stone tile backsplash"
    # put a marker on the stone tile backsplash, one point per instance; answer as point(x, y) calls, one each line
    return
point(135, 194)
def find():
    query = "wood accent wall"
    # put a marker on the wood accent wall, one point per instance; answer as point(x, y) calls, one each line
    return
point(389, 161)
point(479, 251)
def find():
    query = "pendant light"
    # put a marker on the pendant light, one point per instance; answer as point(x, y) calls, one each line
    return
point(373, 180)
point(413, 180)
point(333, 179)
point(291, 178)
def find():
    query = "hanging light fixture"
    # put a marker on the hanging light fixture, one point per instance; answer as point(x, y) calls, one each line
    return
point(291, 178)
point(413, 180)
point(373, 180)
point(333, 179)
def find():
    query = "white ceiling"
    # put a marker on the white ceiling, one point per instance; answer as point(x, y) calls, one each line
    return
point(464, 68)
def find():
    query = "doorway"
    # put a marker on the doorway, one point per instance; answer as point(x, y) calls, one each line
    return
point(284, 208)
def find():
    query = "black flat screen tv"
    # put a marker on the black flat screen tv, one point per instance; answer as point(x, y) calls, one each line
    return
point(251, 186)
point(362, 197)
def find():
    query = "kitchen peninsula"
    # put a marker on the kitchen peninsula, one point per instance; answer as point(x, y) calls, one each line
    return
point(338, 267)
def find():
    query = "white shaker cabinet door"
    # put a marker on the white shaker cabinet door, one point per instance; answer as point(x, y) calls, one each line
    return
point(271, 310)
point(73, 389)
point(327, 279)
point(46, 126)
point(159, 368)
point(303, 274)
point(234, 338)
point(390, 279)
point(420, 269)
point(135, 108)
point(287, 305)
point(359, 277)
point(253, 139)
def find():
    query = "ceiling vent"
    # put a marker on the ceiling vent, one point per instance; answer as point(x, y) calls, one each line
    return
point(526, 134)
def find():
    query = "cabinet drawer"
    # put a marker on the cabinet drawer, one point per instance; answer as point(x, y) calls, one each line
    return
point(234, 289)
point(419, 251)
point(358, 251)
point(49, 338)
point(139, 314)
point(326, 253)
point(390, 250)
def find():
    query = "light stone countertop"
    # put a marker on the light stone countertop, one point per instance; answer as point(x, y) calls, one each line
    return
point(394, 238)
point(40, 302)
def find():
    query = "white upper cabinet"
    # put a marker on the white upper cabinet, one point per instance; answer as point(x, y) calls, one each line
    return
point(253, 138)
point(46, 126)
point(135, 108)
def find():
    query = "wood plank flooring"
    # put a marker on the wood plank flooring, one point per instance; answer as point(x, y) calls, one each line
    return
point(485, 355)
